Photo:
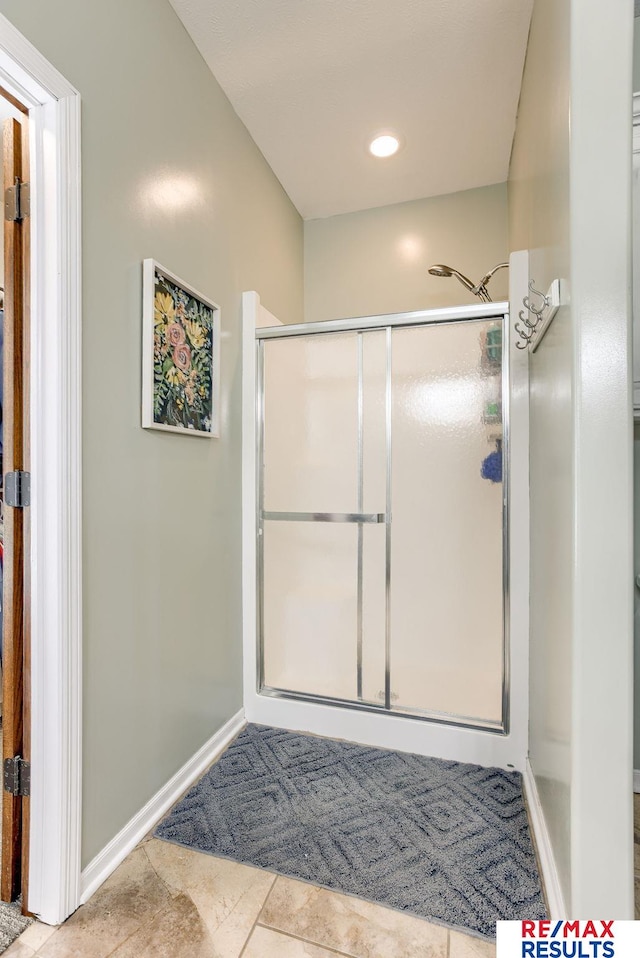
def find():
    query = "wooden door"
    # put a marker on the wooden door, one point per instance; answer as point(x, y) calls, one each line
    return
point(15, 413)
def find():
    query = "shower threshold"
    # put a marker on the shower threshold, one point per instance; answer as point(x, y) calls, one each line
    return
point(425, 715)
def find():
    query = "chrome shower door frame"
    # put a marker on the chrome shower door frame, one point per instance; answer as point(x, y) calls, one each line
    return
point(386, 323)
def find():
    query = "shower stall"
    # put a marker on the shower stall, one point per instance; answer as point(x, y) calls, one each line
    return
point(382, 499)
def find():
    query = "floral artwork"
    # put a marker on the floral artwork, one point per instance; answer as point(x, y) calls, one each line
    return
point(183, 394)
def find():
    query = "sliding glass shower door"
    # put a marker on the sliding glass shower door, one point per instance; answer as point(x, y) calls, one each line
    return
point(381, 519)
point(447, 503)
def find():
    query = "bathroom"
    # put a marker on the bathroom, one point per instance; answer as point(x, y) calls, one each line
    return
point(206, 543)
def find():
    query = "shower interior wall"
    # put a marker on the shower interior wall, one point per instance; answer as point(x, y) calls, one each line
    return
point(376, 261)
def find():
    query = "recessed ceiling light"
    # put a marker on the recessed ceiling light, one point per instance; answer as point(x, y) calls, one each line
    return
point(384, 145)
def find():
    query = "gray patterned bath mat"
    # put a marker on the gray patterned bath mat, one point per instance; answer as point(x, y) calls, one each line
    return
point(442, 840)
point(12, 923)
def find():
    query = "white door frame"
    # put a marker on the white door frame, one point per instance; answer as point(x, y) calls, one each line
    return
point(56, 572)
point(395, 731)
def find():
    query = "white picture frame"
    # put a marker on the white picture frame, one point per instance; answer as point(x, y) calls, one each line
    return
point(180, 355)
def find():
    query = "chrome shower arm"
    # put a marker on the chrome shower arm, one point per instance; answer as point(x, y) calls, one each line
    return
point(482, 293)
point(485, 279)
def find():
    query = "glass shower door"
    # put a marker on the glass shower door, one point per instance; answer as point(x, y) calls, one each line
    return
point(321, 528)
point(381, 519)
point(446, 600)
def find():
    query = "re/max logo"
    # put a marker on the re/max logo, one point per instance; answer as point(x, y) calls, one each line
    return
point(594, 948)
point(567, 939)
point(567, 929)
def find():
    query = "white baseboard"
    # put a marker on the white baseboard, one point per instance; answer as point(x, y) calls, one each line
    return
point(636, 779)
point(106, 861)
point(550, 877)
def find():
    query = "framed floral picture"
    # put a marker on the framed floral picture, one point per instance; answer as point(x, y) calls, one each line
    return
point(180, 356)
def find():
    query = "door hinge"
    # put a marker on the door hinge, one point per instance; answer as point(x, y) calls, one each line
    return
point(17, 201)
point(17, 489)
point(17, 776)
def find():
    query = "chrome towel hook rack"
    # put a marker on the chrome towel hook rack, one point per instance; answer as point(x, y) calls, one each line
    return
point(537, 315)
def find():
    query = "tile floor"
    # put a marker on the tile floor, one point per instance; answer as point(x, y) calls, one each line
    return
point(170, 902)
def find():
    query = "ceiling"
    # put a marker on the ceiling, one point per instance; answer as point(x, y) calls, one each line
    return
point(315, 80)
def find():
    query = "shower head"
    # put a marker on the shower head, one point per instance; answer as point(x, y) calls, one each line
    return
point(439, 269)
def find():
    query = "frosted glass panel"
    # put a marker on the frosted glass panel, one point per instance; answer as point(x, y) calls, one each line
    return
point(311, 423)
point(310, 607)
point(446, 544)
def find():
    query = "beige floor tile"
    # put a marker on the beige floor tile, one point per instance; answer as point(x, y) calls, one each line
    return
point(129, 898)
point(230, 935)
point(356, 928)
point(176, 932)
point(228, 895)
point(466, 946)
point(265, 943)
point(36, 934)
point(18, 950)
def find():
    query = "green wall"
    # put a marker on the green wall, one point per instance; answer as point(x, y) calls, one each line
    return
point(169, 171)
